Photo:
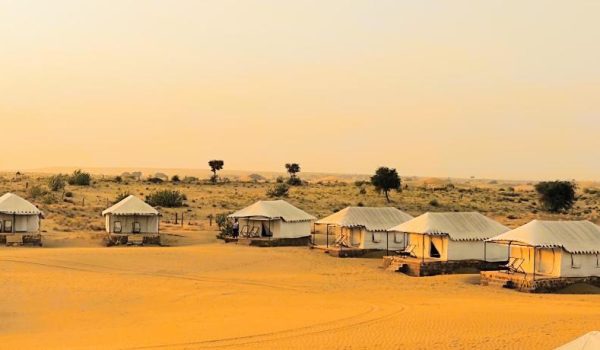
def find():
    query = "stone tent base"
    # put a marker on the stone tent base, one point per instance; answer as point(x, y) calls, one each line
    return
point(526, 283)
point(345, 252)
point(419, 268)
point(19, 239)
point(113, 239)
point(270, 242)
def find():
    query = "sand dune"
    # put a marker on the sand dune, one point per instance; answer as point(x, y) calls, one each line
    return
point(200, 293)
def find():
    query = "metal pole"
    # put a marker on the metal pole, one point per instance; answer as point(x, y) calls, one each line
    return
point(327, 234)
point(14, 223)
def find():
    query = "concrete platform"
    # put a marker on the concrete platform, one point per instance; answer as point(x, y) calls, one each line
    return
point(21, 239)
point(344, 252)
point(113, 239)
point(430, 267)
point(269, 242)
point(526, 283)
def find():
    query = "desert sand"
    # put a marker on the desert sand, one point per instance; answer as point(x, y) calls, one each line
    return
point(202, 293)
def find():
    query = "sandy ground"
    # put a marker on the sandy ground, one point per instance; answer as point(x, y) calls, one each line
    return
point(200, 293)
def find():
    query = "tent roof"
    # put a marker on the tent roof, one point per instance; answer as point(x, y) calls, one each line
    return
point(581, 237)
point(465, 226)
point(10, 203)
point(589, 341)
point(371, 218)
point(131, 205)
point(278, 209)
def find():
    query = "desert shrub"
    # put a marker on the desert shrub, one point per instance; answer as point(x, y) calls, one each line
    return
point(36, 192)
point(190, 179)
point(69, 194)
point(294, 181)
point(362, 190)
point(155, 180)
point(175, 178)
point(166, 198)
point(225, 225)
point(49, 198)
point(279, 190)
point(121, 196)
point(590, 190)
point(80, 178)
point(360, 204)
point(256, 177)
point(280, 180)
point(118, 179)
point(555, 196)
point(56, 182)
point(434, 203)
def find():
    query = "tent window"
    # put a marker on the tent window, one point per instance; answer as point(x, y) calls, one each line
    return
point(117, 228)
point(376, 237)
point(433, 251)
point(575, 261)
point(8, 225)
point(398, 237)
point(136, 227)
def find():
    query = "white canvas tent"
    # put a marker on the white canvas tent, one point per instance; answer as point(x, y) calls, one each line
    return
point(589, 341)
point(453, 236)
point(18, 215)
point(366, 227)
point(555, 248)
point(132, 215)
point(274, 219)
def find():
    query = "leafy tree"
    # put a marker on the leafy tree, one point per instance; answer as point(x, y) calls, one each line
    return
point(293, 169)
point(555, 196)
point(280, 190)
point(225, 225)
point(166, 198)
point(56, 182)
point(385, 180)
point(121, 196)
point(80, 178)
point(215, 165)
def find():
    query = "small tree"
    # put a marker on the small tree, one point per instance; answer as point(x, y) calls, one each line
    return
point(555, 196)
point(385, 180)
point(80, 178)
point(225, 225)
point(121, 196)
point(175, 179)
point(215, 165)
point(280, 190)
point(293, 169)
point(166, 198)
point(56, 182)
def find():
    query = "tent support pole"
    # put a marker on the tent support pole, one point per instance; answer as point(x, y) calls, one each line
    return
point(423, 255)
point(14, 223)
point(534, 263)
point(485, 251)
point(387, 243)
point(271, 233)
point(327, 234)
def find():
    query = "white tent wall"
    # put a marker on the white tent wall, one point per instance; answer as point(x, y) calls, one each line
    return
point(23, 223)
point(456, 250)
point(579, 265)
point(476, 250)
point(556, 262)
point(294, 229)
point(148, 224)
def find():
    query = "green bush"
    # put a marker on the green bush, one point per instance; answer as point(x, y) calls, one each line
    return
point(555, 196)
point(56, 182)
point(121, 196)
point(80, 178)
point(225, 225)
point(166, 198)
point(36, 192)
point(280, 190)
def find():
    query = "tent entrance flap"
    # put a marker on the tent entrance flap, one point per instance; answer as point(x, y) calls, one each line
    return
point(433, 251)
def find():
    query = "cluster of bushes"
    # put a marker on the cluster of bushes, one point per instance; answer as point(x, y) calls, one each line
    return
point(166, 198)
point(279, 190)
point(80, 178)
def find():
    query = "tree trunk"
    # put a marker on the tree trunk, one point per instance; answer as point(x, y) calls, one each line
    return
point(387, 196)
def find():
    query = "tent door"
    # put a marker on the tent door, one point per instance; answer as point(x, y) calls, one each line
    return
point(433, 251)
point(266, 232)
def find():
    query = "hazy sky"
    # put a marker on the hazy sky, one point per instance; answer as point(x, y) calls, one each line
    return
point(497, 89)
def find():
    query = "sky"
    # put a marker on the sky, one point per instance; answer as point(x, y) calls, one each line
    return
point(492, 89)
